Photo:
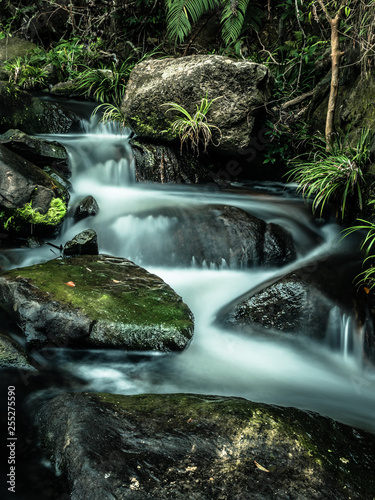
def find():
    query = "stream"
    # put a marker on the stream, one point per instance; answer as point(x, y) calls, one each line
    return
point(265, 368)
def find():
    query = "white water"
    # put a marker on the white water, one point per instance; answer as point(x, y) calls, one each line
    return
point(265, 367)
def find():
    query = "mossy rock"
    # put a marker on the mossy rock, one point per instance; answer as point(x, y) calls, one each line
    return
point(12, 47)
point(21, 110)
point(95, 301)
point(203, 447)
point(13, 356)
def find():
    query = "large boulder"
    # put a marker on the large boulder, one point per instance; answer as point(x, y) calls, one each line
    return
point(39, 151)
point(95, 301)
point(207, 235)
point(241, 89)
point(301, 301)
point(31, 202)
point(201, 447)
point(21, 110)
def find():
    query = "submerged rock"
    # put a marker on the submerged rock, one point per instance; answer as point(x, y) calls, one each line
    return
point(39, 151)
point(300, 301)
point(87, 207)
point(13, 356)
point(30, 200)
point(214, 235)
point(203, 447)
point(240, 88)
point(95, 301)
point(84, 243)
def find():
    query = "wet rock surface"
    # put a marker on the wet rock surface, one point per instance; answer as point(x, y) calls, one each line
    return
point(300, 301)
point(95, 301)
point(12, 355)
point(84, 243)
point(39, 151)
point(202, 447)
point(216, 235)
point(30, 200)
point(87, 207)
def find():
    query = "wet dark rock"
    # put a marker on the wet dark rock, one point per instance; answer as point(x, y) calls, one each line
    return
point(87, 207)
point(13, 356)
point(66, 89)
point(163, 163)
point(30, 200)
point(20, 110)
point(240, 88)
point(217, 235)
point(300, 301)
point(84, 243)
point(201, 447)
point(39, 151)
point(95, 301)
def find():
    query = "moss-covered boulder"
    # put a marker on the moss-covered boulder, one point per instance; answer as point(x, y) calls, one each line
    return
point(95, 301)
point(239, 89)
point(21, 110)
point(31, 201)
point(39, 151)
point(13, 356)
point(202, 447)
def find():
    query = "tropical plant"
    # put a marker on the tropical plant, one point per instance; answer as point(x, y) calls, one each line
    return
point(335, 174)
point(366, 277)
point(194, 129)
point(105, 84)
point(235, 16)
point(23, 73)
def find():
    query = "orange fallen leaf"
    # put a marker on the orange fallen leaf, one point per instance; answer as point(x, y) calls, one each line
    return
point(116, 281)
point(367, 290)
point(70, 283)
point(260, 466)
point(190, 420)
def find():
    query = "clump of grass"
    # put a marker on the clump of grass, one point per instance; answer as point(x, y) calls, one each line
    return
point(335, 173)
point(194, 130)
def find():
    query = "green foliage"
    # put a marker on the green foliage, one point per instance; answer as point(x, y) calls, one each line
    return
point(236, 15)
point(333, 174)
point(54, 216)
point(366, 277)
point(110, 113)
point(194, 129)
point(25, 74)
point(285, 140)
point(105, 84)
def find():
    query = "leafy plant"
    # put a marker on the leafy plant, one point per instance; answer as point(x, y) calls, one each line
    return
point(236, 14)
point(194, 129)
point(335, 174)
point(25, 74)
point(366, 277)
point(105, 84)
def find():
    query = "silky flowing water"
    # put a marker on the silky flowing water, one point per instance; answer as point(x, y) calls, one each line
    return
point(329, 377)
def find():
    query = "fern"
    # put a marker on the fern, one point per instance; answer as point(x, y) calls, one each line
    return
point(181, 14)
point(236, 14)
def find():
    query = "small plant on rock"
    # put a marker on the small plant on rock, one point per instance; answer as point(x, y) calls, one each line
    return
point(195, 129)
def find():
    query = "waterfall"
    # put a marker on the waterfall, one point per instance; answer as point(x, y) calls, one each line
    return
point(138, 221)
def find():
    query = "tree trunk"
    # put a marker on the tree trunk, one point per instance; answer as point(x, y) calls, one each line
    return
point(336, 56)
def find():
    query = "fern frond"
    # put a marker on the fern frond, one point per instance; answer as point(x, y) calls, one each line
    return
point(182, 14)
point(236, 14)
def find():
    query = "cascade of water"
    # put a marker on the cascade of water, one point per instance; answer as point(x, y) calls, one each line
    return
point(135, 221)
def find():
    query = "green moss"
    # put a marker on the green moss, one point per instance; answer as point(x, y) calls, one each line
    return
point(151, 127)
point(112, 294)
point(327, 445)
point(26, 214)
